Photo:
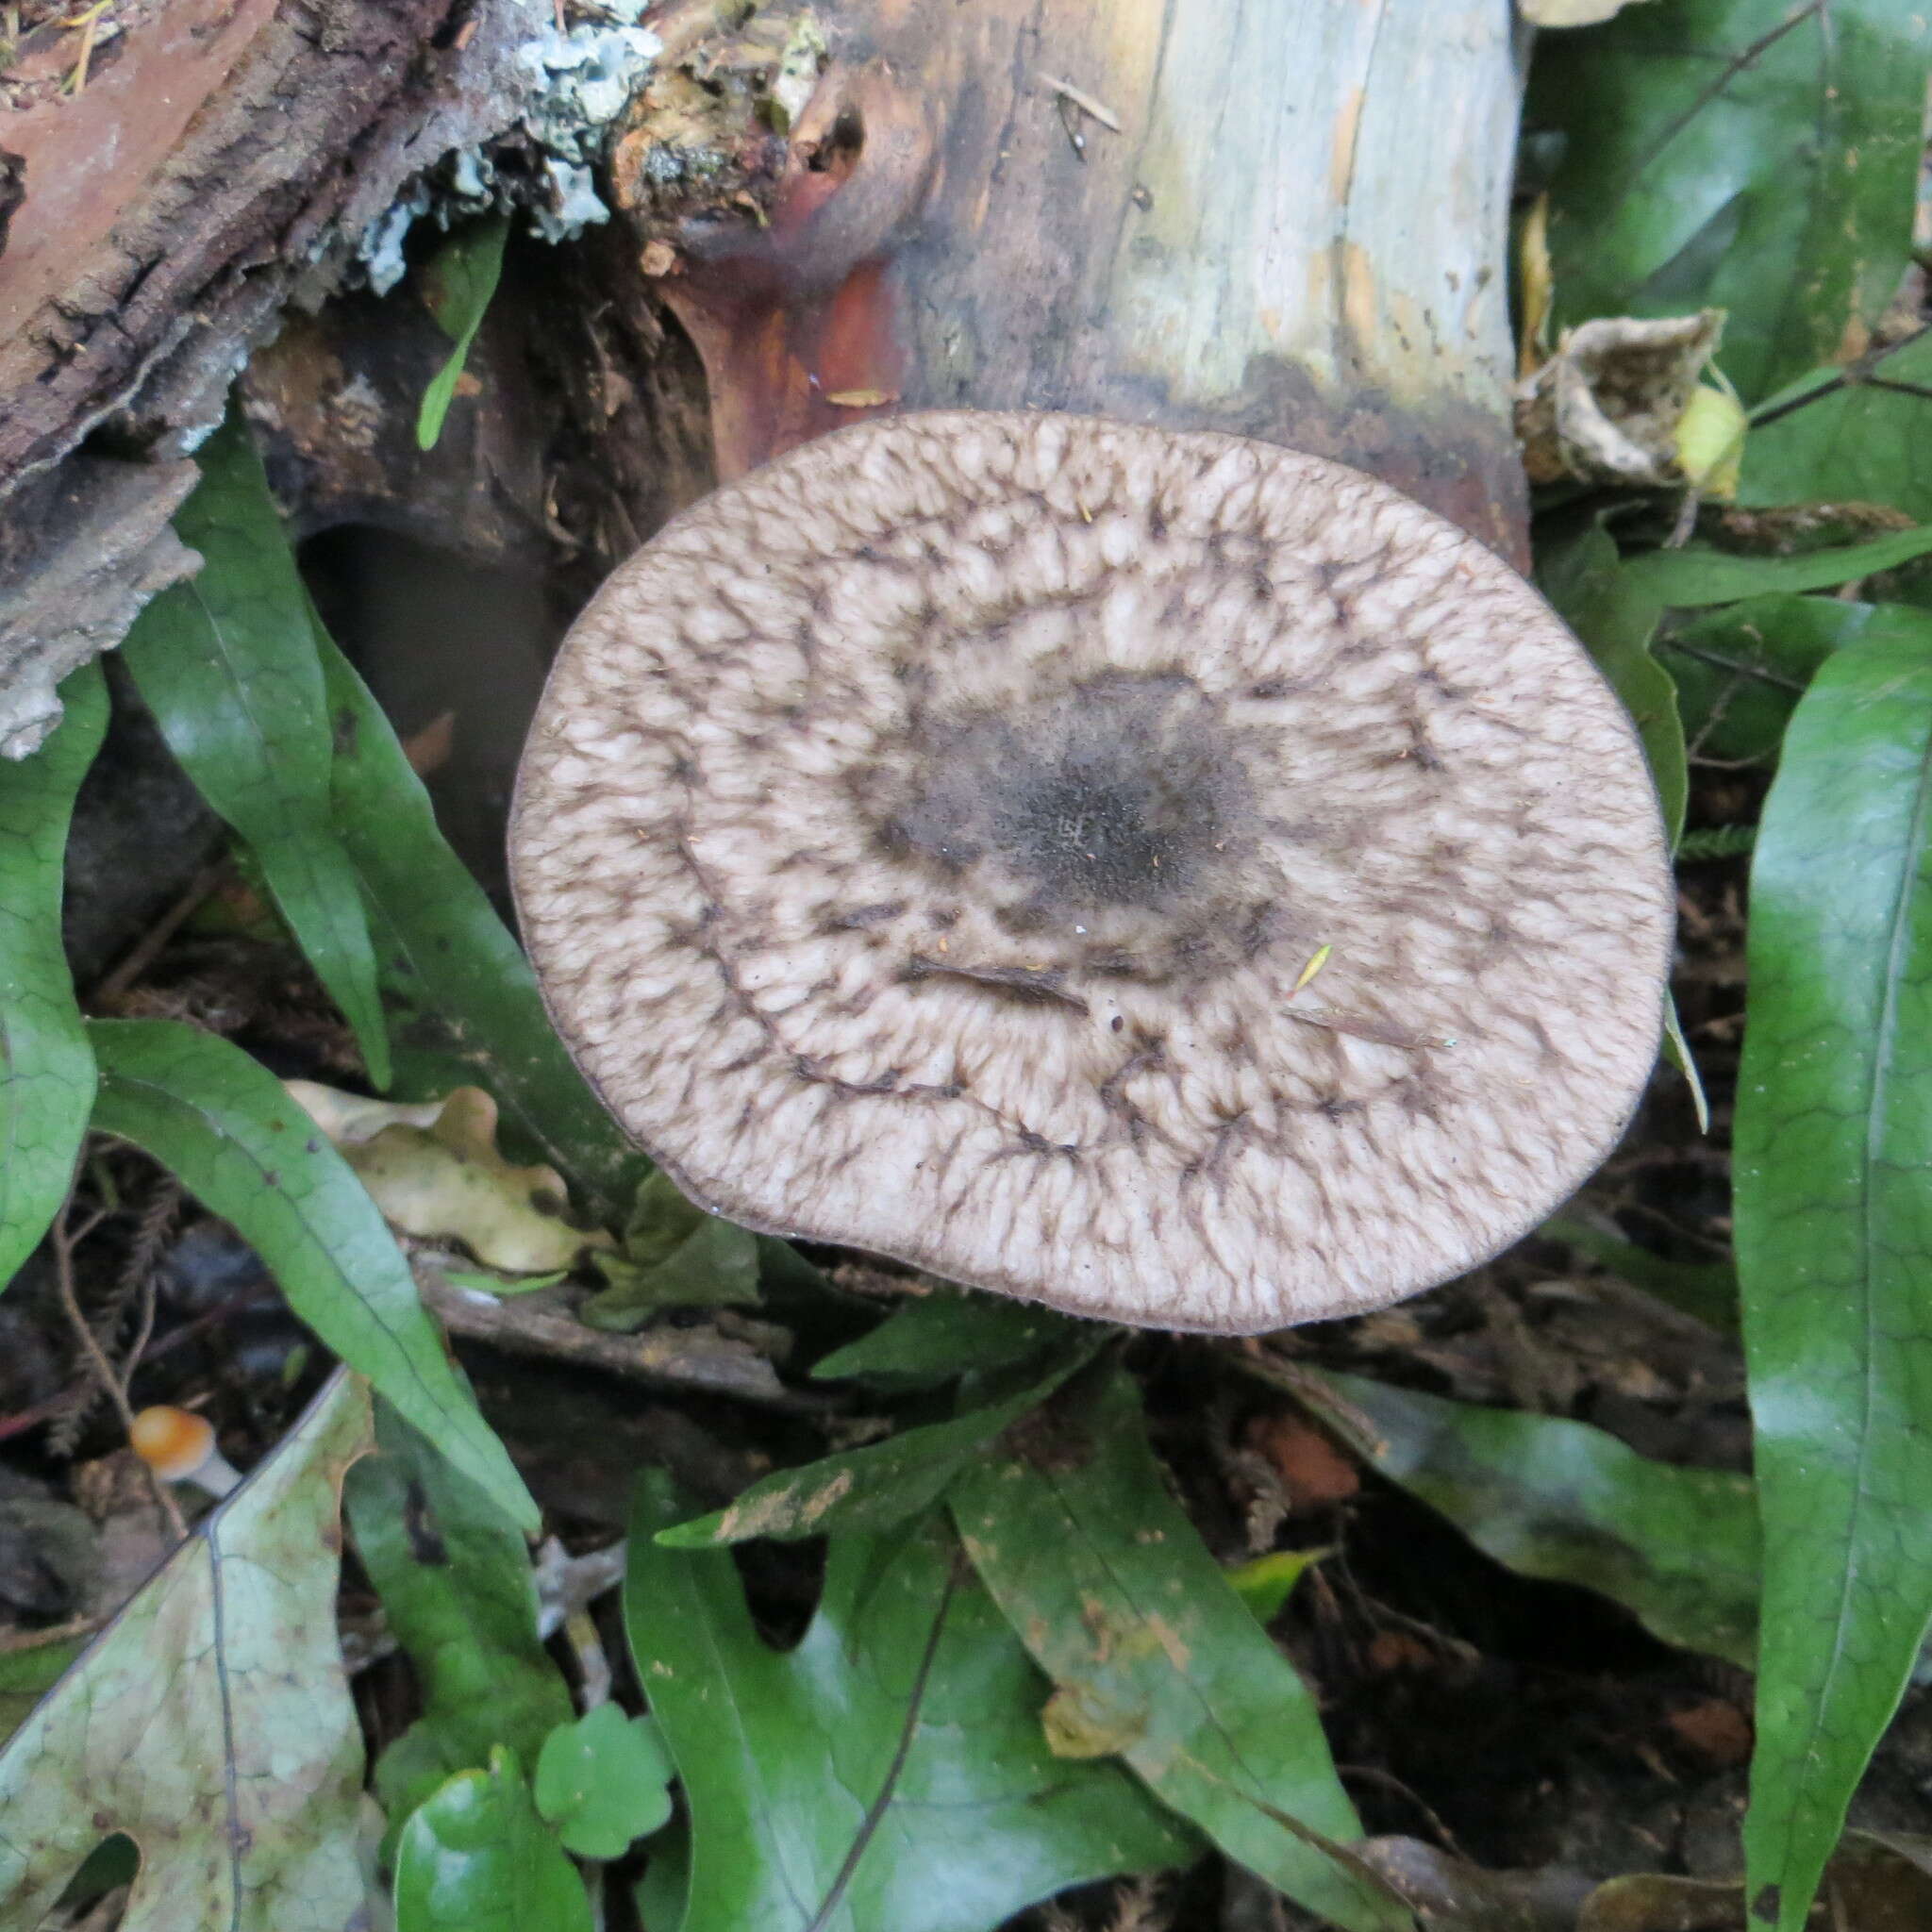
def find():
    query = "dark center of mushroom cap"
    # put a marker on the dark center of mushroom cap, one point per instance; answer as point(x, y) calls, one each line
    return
point(1107, 825)
point(1116, 810)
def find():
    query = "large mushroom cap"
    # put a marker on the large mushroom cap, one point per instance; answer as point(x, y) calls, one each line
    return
point(922, 844)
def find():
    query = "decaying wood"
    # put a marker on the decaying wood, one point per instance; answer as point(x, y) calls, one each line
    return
point(543, 1322)
point(76, 596)
point(221, 162)
point(1288, 223)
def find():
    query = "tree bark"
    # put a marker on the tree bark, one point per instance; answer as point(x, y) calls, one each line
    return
point(220, 163)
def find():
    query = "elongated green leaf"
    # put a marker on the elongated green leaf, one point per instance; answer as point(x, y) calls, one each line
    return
point(1833, 1180)
point(889, 1774)
point(46, 1066)
point(1758, 155)
point(227, 662)
point(1157, 1658)
point(460, 280)
point(1853, 439)
point(1558, 1499)
point(449, 959)
point(1707, 1289)
point(1691, 578)
point(25, 1676)
point(1616, 618)
point(1265, 1583)
point(211, 1721)
point(941, 1336)
point(454, 1575)
point(248, 1152)
point(860, 1490)
point(1606, 603)
point(476, 1857)
point(1741, 670)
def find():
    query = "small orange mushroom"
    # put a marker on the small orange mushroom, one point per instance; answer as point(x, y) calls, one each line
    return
point(179, 1447)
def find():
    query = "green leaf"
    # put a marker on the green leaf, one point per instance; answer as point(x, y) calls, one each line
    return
point(1603, 601)
point(502, 1285)
point(26, 1674)
point(604, 1781)
point(1707, 1289)
point(1741, 670)
point(1716, 842)
point(715, 1266)
point(939, 1337)
point(1852, 439)
point(675, 1255)
point(211, 1721)
point(451, 962)
point(1833, 1158)
point(890, 1771)
point(1605, 604)
point(458, 282)
point(1561, 1499)
point(227, 663)
point(1758, 155)
point(1692, 578)
point(454, 1575)
point(476, 1857)
point(46, 1066)
point(1072, 1530)
point(1267, 1582)
point(248, 1152)
point(884, 1484)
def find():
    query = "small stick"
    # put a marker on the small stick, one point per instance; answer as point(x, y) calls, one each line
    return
point(66, 1239)
point(149, 946)
point(1095, 110)
point(13, 1641)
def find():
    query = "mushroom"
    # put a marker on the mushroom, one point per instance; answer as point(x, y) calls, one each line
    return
point(179, 1446)
point(1160, 874)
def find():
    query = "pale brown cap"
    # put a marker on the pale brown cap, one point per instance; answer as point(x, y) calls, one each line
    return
point(920, 844)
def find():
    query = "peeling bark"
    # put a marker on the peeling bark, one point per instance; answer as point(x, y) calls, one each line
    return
point(219, 167)
point(78, 598)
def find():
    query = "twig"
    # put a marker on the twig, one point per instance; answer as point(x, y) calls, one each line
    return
point(13, 1641)
point(20, 1420)
point(1094, 110)
point(1387, 1778)
point(66, 1239)
point(136, 1285)
point(148, 947)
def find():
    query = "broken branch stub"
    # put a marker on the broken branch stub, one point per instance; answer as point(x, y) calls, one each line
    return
point(925, 844)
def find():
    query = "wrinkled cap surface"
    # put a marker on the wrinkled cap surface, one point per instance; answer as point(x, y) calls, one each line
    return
point(921, 842)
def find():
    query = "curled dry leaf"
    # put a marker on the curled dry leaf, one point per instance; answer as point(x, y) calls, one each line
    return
point(434, 1170)
point(1622, 401)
